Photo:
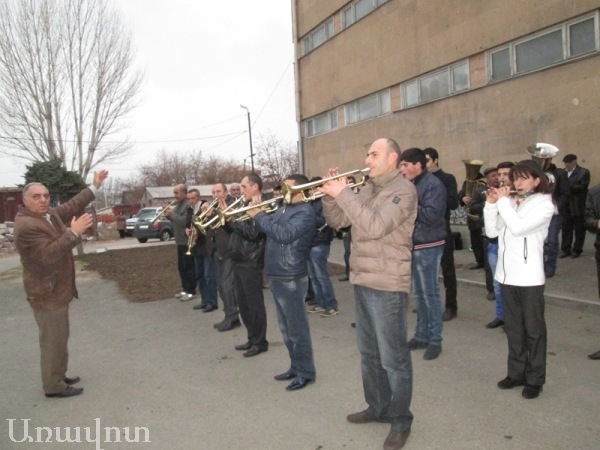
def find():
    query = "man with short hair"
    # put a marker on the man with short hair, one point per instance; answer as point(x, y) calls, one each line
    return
point(205, 269)
point(577, 180)
point(448, 270)
point(45, 244)
point(428, 245)
point(235, 190)
point(218, 249)
point(181, 215)
point(289, 233)
point(382, 216)
point(247, 248)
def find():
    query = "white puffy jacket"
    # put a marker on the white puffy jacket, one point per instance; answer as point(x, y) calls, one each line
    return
point(521, 231)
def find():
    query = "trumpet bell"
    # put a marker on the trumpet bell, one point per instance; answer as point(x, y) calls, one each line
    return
point(542, 154)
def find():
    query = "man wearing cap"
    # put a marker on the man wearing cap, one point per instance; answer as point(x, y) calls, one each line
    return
point(577, 180)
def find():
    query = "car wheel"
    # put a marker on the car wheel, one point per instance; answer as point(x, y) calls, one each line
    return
point(142, 240)
point(165, 235)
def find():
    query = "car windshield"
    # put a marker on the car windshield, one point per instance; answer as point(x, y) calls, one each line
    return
point(147, 216)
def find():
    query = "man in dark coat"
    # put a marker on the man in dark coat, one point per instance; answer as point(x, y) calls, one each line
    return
point(45, 238)
point(578, 180)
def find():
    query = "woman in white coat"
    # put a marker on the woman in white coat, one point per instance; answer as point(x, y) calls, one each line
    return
point(521, 224)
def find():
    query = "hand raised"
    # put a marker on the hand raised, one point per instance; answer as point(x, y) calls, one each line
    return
point(82, 223)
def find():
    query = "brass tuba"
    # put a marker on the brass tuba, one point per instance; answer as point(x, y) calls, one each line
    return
point(542, 154)
point(472, 166)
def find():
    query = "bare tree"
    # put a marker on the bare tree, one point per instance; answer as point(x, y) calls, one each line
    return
point(276, 159)
point(66, 81)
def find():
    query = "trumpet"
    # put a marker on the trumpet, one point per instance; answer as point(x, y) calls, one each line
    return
point(200, 217)
point(288, 192)
point(161, 215)
point(218, 220)
point(272, 205)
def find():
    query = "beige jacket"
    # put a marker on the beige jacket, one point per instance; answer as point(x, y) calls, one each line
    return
point(382, 216)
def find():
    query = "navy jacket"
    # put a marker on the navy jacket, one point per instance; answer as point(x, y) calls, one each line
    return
point(324, 233)
point(289, 232)
point(430, 226)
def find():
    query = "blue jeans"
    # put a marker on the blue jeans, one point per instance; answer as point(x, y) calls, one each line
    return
point(293, 322)
point(492, 254)
point(551, 245)
point(426, 289)
point(385, 357)
point(319, 277)
point(206, 278)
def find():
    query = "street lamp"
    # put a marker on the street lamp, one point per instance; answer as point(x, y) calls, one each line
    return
point(250, 135)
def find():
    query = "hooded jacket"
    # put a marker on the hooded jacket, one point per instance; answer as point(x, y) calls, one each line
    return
point(521, 231)
point(382, 216)
point(46, 251)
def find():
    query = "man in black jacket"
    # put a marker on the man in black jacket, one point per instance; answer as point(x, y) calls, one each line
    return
point(578, 180)
point(247, 248)
point(592, 224)
point(448, 271)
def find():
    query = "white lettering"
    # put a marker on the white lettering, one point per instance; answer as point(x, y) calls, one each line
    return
point(137, 434)
point(97, 439)
point(25, 430)
point(117, 434)
point(39, 434)
point(68, 434)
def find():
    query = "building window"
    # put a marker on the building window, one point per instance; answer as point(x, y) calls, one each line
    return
point(553, 46)
point(369, 107)
point(442, 83)
point(359, 9)
point(318, 36)
point(322, 124)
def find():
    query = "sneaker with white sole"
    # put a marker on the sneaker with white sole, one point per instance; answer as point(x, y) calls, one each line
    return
point(315, 309)
point(330, 313)
point(180, 294)
point(186, 297)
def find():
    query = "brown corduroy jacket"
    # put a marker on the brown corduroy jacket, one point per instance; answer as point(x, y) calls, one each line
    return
point(46, 251)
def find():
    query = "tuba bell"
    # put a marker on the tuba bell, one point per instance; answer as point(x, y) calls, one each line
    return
point(542, 154)
point(472, 166)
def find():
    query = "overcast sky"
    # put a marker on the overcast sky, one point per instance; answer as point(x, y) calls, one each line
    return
point(201, 61)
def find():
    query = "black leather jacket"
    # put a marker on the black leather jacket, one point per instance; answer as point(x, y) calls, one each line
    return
point(592, 215)
point(247, 242)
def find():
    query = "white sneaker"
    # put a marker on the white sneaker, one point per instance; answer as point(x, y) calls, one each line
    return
point(180, 294)
point(330, 313)
point(315, 309)
point(186, 297)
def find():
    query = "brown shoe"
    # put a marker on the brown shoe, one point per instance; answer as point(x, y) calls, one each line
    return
point(396, 440)
point(364, 417)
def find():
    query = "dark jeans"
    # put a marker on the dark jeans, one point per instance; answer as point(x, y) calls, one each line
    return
point(187, 270)
point(385, 357)
point(551, 244)
point(249, 295)
point(293, 322)
point(347, 239)
point(225, 286)
point(573, 224)
point(206, 279)
point(448, 271)
point(319, 277)
point(489, 273)
point(477, 245)
point(525, 328)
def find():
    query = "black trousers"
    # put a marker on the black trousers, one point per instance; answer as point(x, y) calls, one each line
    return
point(476, 235)
point(489, 276)
point(448, 271)
point(525, 328)
point(247, 285)
point(187, 269)
point(572, 224)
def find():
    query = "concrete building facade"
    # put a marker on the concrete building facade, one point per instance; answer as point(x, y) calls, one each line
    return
point(474, 79)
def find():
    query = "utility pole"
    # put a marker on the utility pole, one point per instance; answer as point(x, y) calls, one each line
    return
point(250, 135)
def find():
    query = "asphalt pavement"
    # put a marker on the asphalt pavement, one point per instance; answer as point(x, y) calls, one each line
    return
point(160, 366)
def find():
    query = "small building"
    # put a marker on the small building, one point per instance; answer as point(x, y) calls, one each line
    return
point(163, 195)
point(10, 199)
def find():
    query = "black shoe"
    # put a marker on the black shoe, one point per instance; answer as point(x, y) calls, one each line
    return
point(71, 381)
point(432, 352)
point(199, 306)
point(532, 391)
point(491, 295)
point(495, 323)
point(564, 255)
point(254, 350)
point(70, 391)
point(226, 326)
point(476, 266)
point(298, 383)
point(509, 383)
point(395, 440)
point(285, 376)
point(595, 355)
point(549, 274)
point(413, 344)
point(245, 346)
point(353, 324)
point(449, 314)
point(209, 308)
point(574, 255)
